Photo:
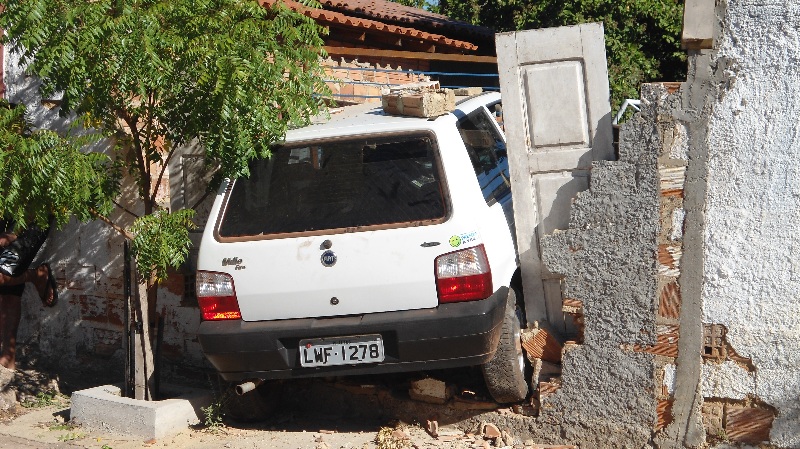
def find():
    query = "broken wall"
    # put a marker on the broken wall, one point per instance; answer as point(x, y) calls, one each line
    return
point(690, 324)
point(606, 396)
point(751, 230)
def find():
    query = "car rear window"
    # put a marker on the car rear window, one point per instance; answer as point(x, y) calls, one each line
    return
point(339, 184)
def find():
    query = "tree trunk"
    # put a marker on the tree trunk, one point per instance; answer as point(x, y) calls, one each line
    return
point(144, 379)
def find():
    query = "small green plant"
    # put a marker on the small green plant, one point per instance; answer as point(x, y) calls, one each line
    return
point(212, 415)
point(71, 436)
point(105, 446)
point(64, 426)
point(43, 399)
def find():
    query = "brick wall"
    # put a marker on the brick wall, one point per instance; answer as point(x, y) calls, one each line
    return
point(361, 81)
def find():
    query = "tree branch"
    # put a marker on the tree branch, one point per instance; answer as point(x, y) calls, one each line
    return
point(144, 171)
point(124, 208)
point(108, 221)
point(164, 164)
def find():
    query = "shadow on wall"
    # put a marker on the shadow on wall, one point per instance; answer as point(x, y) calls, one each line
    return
point(85, 331)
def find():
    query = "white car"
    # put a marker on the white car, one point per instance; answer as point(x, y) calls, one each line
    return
point(368, 244)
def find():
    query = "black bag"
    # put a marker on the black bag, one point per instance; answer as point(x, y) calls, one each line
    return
point(17, 257)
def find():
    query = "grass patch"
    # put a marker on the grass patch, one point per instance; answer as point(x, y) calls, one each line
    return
point(44, 399)
point(71, 436)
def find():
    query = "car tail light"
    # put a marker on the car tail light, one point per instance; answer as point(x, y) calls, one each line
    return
point(463, 275)
point(216, 296)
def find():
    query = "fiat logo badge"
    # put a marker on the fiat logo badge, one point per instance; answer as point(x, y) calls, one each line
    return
point(328, 258)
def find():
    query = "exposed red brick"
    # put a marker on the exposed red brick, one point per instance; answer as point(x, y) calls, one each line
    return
point(712, 417)
point(672, 86)
point(669, 305)
point(669, 255)
point(106, 349)
point(115, 317)
point(748, 425)
point(569, 305)
point(714, 343)
point(175, 283)
point(433, 428)
point(547, 388)
point(716, 346)
point(490, 431)
point(172, 352)
point(93, 308)
point(666, 342)
point(540, 344)
point(733, 355)
point(663, 413)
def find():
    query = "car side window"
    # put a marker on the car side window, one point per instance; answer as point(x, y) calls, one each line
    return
point(487, 151)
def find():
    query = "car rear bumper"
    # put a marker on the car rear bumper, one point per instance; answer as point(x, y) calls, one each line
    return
point(451, 335)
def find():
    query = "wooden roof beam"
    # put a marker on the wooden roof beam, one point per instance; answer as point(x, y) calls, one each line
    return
point(397, 54)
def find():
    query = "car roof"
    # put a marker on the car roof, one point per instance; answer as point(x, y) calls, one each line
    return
point(369, 118)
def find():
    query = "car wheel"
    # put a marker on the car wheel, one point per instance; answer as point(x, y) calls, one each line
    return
point(254, 406)
point(504, 374)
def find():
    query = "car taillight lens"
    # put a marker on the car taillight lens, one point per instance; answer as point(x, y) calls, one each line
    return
point(463, 275)
point(216, 296)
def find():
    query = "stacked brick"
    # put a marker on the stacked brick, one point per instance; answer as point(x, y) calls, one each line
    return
point(362, 82)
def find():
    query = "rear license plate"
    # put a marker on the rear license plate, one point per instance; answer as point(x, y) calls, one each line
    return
point(341, 351)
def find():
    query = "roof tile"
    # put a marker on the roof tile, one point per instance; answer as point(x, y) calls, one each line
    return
point(333, 17)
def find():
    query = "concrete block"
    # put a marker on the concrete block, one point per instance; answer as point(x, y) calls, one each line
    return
point(431, 391)
point(6, 377)
point(104, 408)
point(698, 24)
point(467, 91)
point(8, 400)
point(420, 104)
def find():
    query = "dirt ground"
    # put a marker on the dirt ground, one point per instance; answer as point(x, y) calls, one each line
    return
point(337, 413)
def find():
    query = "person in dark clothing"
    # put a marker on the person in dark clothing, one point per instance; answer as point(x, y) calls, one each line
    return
point(12, 284)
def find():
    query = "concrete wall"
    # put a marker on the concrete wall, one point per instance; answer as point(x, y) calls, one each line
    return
point(723, 293)
point(751, 237)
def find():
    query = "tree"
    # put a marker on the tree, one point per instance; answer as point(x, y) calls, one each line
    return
point(642, 36)
point(421, 4)
point(45, 176)
point(153, 75)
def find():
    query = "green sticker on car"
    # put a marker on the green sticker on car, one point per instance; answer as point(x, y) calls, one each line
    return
point(455, 241)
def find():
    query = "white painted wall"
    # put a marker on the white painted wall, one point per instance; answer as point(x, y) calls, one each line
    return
point(86, 326)
point(752, 236)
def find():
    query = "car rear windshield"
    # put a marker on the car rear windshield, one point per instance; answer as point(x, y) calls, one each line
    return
point(340, 184)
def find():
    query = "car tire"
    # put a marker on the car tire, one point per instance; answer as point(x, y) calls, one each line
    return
point(505, 373)
point(255, 406)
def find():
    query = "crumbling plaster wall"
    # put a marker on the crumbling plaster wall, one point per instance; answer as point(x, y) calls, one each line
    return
point(729, 145)
point(86, 328)
point(608, 257)
point(751, 238)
